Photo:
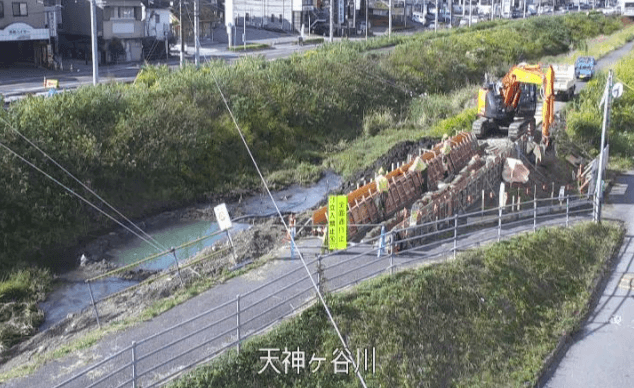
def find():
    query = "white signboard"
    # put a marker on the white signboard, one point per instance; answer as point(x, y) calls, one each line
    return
point(122, 28)
point(562, 192)
point(23, 31)
point(502, 195)
point(222, 216)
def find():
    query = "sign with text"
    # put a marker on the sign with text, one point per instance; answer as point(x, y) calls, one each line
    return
point(337, 222)
point(222, 216)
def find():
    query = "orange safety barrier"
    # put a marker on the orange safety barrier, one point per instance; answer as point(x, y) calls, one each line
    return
point(461, 142)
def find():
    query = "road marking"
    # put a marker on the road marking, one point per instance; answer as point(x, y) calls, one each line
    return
point(616, 320)
point(627, 281)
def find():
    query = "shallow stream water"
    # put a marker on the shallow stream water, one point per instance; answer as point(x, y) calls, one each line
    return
point(72, 294)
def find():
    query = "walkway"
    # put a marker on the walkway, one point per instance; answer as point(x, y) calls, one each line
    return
point(602, 354)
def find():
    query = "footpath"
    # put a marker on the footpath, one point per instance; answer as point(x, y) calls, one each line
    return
point(601, 355)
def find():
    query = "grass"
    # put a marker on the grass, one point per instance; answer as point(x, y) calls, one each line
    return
point(488, 319)
point(597, 47)
point(20, 291)
point(250, 47)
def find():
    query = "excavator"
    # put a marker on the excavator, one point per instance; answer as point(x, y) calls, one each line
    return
point(510, 104)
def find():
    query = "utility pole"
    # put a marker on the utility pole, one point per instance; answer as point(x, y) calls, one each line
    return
point(436, 18)
point(606, 119)
point(366, 19)
point(93, 28)
point(389, 23)
point(196, 32)
point(180, 15)
point(470, 11)
point(332, 19)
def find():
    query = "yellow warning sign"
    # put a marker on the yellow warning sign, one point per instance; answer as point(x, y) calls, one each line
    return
point(337, 222)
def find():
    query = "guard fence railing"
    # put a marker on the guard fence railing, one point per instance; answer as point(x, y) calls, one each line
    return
point(158, 358)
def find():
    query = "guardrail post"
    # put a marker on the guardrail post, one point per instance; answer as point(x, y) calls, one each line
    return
point(238, 321)
point(178, 267)
point(94, 306)
point(455, 234)
point(133, 364)
point(567, 209)
point(392, 254)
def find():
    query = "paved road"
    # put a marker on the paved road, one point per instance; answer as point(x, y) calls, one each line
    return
point(602, 355)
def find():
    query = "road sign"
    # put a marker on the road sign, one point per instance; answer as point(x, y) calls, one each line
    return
point(337, 222)
point(617, 90)
point(222, 216)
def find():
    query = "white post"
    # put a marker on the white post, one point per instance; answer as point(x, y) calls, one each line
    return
point(133, 364)
point(233, 248)
point(535, 209)
point(244, 31)
point(455, 235)
point(238, 321)
point(332, 19)
point(389, 22)
point(93, 30)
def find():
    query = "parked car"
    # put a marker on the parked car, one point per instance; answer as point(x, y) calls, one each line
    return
point(584, 67)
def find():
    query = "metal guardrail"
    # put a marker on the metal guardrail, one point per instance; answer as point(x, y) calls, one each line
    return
point(154, 360)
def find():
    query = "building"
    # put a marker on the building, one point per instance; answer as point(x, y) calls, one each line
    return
point(120, 30)
point(28, 29)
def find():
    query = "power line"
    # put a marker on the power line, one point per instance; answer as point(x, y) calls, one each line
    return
point(301, 256)
point(82, 184)
point(77, 195)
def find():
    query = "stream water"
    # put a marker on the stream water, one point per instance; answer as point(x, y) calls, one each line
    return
point(72, 295)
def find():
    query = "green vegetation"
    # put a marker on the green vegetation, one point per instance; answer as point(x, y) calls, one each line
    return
point(250, 47)
point(488, 319)
point(584, 117)
point(20, 291)
point(168, 140)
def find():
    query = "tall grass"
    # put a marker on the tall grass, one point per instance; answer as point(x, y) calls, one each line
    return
point(487, 319)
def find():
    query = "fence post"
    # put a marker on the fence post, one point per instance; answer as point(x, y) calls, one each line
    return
point(319, 272)
point(499, 223)
point(567, 209)
point(233, 248)
point(455, 234)
point(133, 364)
point(535, 210)
point(392, 254)
point(94, 306)
point(178, 267)
point(238, 321)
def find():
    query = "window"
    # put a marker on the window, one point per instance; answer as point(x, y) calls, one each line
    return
point(272, 18)
point(1, 9)
point(19, 9)
point(126, 13)
point(157, 18)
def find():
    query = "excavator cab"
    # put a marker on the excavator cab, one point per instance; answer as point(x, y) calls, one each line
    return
point(510, 103)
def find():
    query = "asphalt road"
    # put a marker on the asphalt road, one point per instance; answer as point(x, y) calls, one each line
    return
point(602, 353)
